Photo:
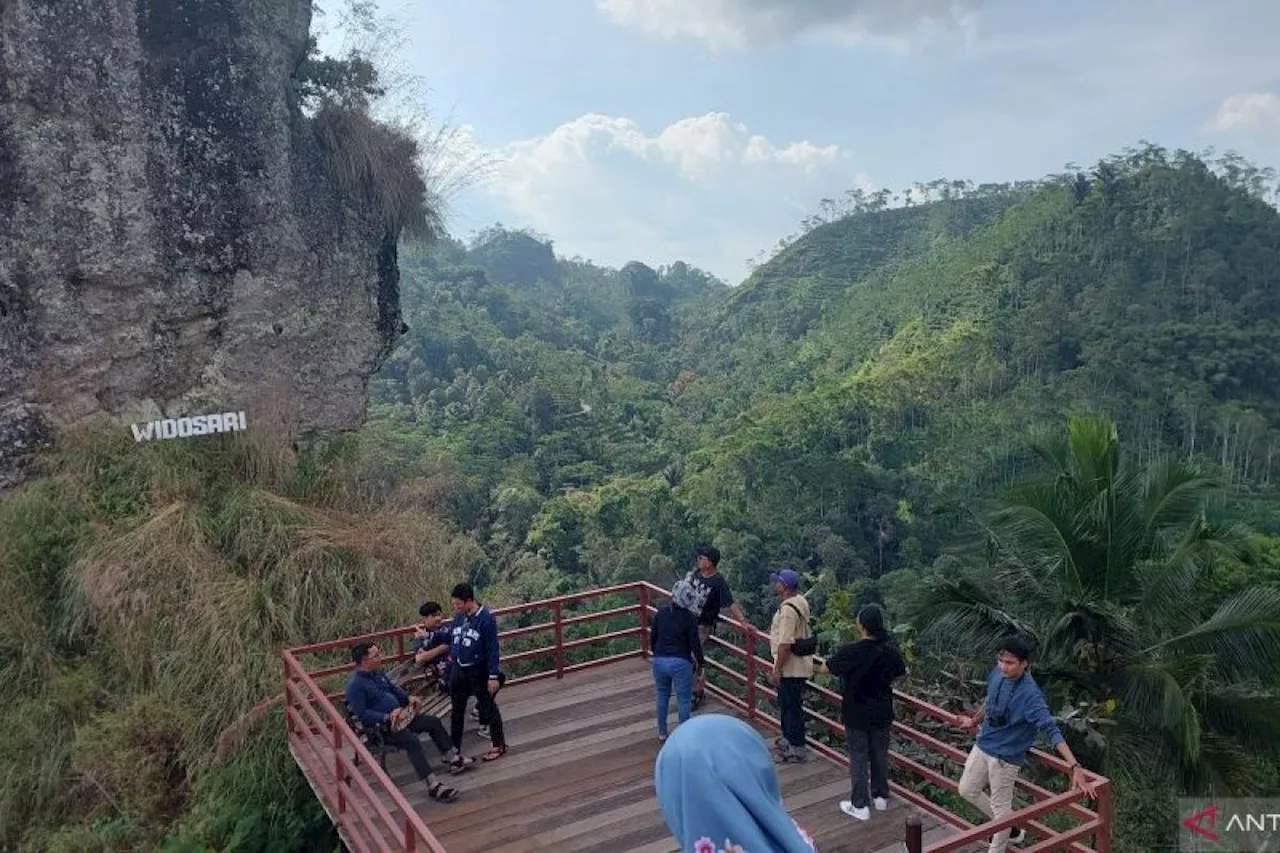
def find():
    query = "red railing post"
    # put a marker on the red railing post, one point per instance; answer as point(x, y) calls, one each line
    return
point(915, 835)
point(750, 633)
point(1106, 811)
point(288, 722)
point(339, 778)
point(558, 610)
point(410, 839)
point(400, 646)
point(644, 619)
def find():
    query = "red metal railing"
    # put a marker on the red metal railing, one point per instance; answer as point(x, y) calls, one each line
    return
point(320, 738)
point(319, 735)
point(1092, 824)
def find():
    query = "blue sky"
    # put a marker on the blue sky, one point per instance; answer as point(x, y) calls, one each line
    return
point(705, 130)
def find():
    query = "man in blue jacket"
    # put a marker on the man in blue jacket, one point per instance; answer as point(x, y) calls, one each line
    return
point(475, 669)
point(1014, 711)
point(377, 702)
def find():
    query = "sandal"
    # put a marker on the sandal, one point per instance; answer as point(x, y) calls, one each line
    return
point(442, 793)
point(495, 753)
point(463, 762)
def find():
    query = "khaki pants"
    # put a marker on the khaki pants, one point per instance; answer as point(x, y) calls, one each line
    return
point(984, 771)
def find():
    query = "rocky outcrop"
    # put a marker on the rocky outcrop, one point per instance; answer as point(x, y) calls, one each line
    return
point(169, 241)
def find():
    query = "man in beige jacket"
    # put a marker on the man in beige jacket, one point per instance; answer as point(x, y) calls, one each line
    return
point(790, 671)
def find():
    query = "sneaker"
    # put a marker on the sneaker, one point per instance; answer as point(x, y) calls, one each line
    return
point(1017, 835)
point(847, 807)
point(781, 743)
point(880, 803)
point(482, 732)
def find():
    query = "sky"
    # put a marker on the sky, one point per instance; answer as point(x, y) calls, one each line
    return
point(706, 130)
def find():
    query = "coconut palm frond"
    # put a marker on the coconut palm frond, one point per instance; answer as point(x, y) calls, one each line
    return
point(1250, 714)
point(960, 611)
point(1029, 534)
point(1174, 494)
point(1242, 636)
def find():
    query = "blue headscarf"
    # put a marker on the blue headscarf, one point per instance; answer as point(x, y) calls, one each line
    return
point(718, 790)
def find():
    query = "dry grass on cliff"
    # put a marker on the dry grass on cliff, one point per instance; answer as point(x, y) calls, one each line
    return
point(160, 582)
point(377, 167)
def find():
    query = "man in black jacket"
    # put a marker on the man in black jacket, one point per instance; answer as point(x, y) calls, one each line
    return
point(867, 670)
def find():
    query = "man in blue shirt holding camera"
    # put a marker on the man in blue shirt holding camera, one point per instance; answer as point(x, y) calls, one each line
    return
point(1014, 711)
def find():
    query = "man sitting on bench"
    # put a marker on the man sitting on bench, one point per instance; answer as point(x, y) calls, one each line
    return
point(377, 702)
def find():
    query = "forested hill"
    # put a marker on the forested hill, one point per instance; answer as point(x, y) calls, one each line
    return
point(592, 424)
point(1147, 289)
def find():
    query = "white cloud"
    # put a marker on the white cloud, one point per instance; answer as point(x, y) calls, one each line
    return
point(1248, 112)
point(740, 24)
point(703, 189)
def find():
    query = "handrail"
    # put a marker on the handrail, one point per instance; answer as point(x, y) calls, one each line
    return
point(1095, 823)
point(414, 828)
point(358, 807)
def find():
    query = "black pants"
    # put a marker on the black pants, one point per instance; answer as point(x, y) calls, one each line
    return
point(868, 747)
point(502, 682)
point(463, 684)
point(407, 739)
point(791, 710)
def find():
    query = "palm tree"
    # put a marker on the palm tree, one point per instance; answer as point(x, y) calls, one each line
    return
point(1110, 569)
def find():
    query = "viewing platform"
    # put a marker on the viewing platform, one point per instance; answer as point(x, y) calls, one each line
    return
point(582, 736)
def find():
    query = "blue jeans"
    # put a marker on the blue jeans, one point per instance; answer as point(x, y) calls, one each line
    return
point(669, 672)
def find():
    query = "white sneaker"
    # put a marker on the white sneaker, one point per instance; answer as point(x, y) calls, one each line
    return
point(863, 813)
point(880, 803)
point(1017, 835)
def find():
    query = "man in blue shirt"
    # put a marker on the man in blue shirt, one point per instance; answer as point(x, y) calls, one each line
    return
point(475, 670)
point(1014, 711)
point(377, 702)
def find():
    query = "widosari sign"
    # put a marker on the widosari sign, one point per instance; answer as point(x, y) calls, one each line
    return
point(187, 427)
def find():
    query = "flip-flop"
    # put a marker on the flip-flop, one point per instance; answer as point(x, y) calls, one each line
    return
point(463, 763)
point(495, 753)
point(442, 793)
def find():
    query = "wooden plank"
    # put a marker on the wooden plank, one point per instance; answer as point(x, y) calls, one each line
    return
point(579, 776)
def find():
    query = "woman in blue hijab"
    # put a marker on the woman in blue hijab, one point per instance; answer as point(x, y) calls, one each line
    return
point(718, 791)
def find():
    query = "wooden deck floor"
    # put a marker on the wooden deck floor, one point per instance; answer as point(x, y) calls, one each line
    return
point(579, 776)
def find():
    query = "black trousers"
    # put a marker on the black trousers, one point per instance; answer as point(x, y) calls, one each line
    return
point(868, 746)
point(465, 682)
point(407, 739)
point(791, 710)
point(502, 682)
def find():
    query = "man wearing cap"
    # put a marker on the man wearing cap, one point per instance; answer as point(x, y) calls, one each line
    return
point(790, 671)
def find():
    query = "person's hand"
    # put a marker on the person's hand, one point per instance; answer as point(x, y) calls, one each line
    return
point(415, 705)
point(775, 675)
point(493, 686)
point(966, 724)
point(393, 719)
point(1081, 780)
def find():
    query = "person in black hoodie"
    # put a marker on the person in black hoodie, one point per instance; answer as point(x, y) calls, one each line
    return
point(867, 670)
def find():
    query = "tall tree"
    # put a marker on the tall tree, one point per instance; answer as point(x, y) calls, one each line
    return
point(1110, 568)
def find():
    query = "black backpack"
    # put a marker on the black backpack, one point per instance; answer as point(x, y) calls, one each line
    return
point(805, 646)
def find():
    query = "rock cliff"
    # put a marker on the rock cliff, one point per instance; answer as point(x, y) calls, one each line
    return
point(170, 243)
